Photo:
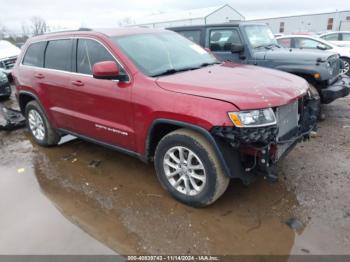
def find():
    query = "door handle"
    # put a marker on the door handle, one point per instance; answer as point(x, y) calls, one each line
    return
point(77, 83)
point(39, 76)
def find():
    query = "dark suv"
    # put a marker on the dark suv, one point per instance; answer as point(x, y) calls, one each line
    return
point(157, 96)
point(254, 43)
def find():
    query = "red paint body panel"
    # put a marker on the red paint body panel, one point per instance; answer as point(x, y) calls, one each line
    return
point(122, 113)
point(247, 87)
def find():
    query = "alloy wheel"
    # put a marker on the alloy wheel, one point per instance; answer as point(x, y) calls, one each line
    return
point(346, 68)
point(184, 170)
point(36, 124)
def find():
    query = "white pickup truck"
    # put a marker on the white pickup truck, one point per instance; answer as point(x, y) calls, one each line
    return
point(8, 56)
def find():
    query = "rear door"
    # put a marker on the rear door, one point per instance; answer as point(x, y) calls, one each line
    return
point(220, 42)
point(55, 80)
point(100, 109)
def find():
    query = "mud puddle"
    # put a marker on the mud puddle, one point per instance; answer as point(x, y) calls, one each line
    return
point(118, 201)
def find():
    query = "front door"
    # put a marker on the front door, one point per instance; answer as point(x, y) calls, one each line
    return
point(102, 108)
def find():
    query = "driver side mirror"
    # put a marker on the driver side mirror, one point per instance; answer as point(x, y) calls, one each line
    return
point(106, 70)
point(237, 48)
point(321, 47)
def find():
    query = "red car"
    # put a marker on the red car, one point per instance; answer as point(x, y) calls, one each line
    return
point(158, 96)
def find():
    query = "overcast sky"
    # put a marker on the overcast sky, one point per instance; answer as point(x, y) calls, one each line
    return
point(107, 13)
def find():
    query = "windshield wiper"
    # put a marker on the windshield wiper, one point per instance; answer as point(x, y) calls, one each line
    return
point(174, 71)
point(269, 46)
point(208, 64)
point(276, 45)
point(264, 46)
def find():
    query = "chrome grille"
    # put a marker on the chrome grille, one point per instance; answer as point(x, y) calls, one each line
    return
point(8, 63)
point(287, 118)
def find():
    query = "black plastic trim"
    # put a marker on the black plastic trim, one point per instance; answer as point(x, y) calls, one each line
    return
point(196, 128)
point(104, 144)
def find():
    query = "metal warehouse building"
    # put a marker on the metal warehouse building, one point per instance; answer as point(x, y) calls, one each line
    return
point(321, 22)
point(210, 15)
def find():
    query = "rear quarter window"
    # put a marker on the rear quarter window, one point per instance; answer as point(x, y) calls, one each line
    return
point(331, 37)
point(34, 55)
point(346, 36)
point(58, 55)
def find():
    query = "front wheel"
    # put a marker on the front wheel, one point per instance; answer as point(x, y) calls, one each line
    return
point(346, 69)
point(188, 168)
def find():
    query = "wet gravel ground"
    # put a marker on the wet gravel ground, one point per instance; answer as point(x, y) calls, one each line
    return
point(79, 197)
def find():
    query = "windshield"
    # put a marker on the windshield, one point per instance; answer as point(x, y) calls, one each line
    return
point(163, 53)
point(260, 36)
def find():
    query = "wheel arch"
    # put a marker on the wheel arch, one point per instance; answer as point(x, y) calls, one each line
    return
point(24, 97)
point(162, 127)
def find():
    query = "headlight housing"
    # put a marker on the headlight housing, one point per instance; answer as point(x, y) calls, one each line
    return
point(253, 118)
point(3, 78)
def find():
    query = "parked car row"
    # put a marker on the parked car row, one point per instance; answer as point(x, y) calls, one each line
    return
point(158, 96)
point(254, 43)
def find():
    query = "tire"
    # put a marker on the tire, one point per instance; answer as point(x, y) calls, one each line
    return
point(347, 64)
point(316, 95)
point(47, 135)
point(3, 98)
point(203, 155)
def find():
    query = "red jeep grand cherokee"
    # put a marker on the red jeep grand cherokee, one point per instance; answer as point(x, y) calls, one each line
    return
point(155, 95)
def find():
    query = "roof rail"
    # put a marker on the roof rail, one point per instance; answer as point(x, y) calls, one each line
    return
point(68, 31)
point(84, 29)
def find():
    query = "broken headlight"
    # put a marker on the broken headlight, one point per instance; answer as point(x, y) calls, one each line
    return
point(253, 118)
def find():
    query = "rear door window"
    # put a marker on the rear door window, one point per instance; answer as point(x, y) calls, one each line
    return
point(90, 52)
point(305, 43)
point(58, 55)
point(222, 39)
point(331, 37)
point(193, 35)
point(35, 55)
point(346, 36)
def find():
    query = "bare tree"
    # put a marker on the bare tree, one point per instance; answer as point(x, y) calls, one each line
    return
point(126, 21)
point(38, 26)
point(3, 31)
point(25, 29)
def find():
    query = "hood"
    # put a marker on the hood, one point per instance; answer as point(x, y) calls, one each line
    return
point(247, 87)
point(294, 55)
point(8, 50)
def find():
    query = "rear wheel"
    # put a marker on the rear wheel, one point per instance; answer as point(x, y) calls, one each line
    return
point(39, 126)
point(188, 168)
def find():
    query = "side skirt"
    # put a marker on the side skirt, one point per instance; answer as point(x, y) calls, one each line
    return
point(104, 144)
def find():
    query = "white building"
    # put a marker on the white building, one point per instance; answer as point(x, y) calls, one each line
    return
point(209, 15)
point(333, 21)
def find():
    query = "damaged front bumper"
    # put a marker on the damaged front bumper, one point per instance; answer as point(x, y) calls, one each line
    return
point(252, 151)
point(338, 89)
